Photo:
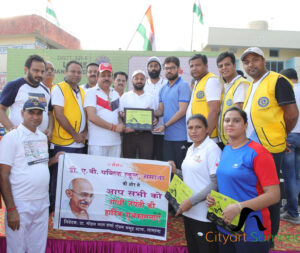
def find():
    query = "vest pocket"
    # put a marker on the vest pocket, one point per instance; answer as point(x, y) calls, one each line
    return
point(274, 134)
point(63, 134)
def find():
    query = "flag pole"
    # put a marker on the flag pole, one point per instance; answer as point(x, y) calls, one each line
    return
point(136, 29)
point(192, 28)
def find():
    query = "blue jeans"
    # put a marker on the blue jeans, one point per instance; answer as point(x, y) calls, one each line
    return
point(291, 174)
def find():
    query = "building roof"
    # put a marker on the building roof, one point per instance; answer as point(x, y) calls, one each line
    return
point(235, 37)
point(39, 27)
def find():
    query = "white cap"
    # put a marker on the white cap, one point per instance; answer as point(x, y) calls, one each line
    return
point(138, 72)
point(154, 59)
point(252, 50)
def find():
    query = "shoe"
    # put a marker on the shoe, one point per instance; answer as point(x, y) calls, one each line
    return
point(287, 217)
point(282, 210)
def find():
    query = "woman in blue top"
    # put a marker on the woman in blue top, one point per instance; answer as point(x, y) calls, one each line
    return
point(246, 173)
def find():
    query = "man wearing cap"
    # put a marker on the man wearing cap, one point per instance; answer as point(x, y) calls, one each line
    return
point(174, 98)
point(272, 112)
point(120, 80)
point(18, 91)
point(24, 182)
point(102, 106)
point(235, 89)
point(135, 141)
point(91, 75)
point(70, 129)
point(153, 86)
point(206, 95)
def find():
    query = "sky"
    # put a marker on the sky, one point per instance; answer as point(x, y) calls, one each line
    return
point(110, 24)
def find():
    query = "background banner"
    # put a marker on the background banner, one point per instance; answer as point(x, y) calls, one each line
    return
point(117, 195)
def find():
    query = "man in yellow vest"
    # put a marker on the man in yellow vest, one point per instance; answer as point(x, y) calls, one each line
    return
point(272, 112)
point(235, 88)
point(206, 95)
point(70, 131)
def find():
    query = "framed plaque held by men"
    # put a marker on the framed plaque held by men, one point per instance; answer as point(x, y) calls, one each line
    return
point(139, 119)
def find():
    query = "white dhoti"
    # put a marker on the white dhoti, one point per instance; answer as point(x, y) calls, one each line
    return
point(111, 151)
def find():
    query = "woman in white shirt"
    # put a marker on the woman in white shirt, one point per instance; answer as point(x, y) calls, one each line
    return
point(199, 173)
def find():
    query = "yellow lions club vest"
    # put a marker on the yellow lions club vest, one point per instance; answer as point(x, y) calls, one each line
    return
point(199, 104)
point(71, 111)
point(228, 103)
point(267, 115)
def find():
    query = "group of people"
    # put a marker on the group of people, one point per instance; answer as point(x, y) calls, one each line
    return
point(192, 125)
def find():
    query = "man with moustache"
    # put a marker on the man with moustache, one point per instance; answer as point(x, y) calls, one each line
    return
point(70, 130)
point(120, 80)
point(81, 194)
point(174, 98)
point(102, 106)
point(272, 112)
point(206, 95)
point(18, 91)
point(153, 86)
point(24, 182)
point(91, 75)
point(134, 141)
point(48, 75)
point(235, 89)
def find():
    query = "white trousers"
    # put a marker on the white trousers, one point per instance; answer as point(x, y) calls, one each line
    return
point(33, 232)
point(112, 151)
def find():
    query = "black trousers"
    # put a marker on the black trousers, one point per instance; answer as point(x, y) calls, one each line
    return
point(175, 151)
point(158, 147)
point(138, 145)
point(197, 235)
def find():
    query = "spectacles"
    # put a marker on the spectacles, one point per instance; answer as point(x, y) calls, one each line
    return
point(85, 194)
point(170, 68)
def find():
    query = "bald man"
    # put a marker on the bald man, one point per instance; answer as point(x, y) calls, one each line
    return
point(48, 75)
point(81, 195)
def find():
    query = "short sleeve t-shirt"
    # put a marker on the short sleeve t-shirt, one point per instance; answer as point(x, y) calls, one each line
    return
point(241, 175)
point(57, 98)
point(200, 162)
point(17, 92)
point(107, 108)
point(131, 99)
point(171, 96)
point(27, 154)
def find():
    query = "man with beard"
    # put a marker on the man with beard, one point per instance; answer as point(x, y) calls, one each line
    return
point(105, 125)
point(174, 98)
point(206, 94)
point(134, 141)
point(70, 129)
point(18, 91)
point(153, 86)
point(120, 80)
point(91, 75)
point(81, 194)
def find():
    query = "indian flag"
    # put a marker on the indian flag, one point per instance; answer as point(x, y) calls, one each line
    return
point(51, 13)
point(146, 29)
point(198, 11)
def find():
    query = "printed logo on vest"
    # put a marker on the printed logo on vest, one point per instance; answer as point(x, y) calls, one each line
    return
point(200, 94)
point(263, 102)
point(229, 102)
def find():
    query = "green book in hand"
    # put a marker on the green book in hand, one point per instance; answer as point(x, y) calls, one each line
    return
point(215, 212)
point(177, 192)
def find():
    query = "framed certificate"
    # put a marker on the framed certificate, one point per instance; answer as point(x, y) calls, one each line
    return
point(139, 119)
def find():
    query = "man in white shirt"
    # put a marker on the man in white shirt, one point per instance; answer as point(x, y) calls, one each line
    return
point(153, 86)
point(91, 75)
point(24, 182)
point(135, 141)
point(235, 89)
point(102, 106)
point(206, 96)
point(18, 91)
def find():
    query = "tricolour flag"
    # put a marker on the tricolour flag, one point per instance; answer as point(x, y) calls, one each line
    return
point(198, 11)
point(51, 13)
point(146, 29)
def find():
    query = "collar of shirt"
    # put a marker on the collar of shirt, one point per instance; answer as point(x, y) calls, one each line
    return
point(26, 131)
point(177, 81)
point(159, 82)
point(203, 144)
point(262, 78)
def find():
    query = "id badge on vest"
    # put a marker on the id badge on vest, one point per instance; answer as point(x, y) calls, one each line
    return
point(36, 151)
